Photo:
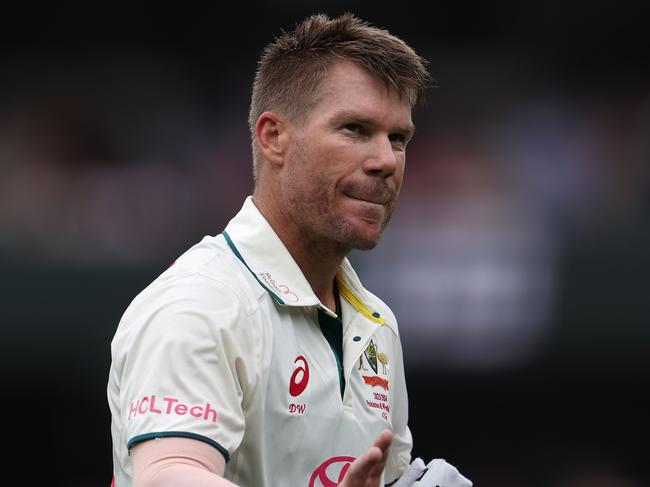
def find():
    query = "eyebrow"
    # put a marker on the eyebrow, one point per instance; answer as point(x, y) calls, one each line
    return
point(351, 116)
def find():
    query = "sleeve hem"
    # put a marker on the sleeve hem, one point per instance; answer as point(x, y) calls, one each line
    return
point(178, 434)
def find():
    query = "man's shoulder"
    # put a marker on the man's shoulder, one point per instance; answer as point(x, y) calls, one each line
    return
point(384, 310)
point(209, 259)
point(208, 273)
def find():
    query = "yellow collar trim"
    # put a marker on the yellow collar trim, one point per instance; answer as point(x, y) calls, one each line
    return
point(354, 300)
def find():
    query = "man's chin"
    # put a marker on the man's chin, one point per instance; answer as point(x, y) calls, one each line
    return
point(356, 233)
point(365, 244)
point(364, 238)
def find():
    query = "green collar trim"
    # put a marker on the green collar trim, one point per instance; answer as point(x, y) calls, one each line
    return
point(239, 256)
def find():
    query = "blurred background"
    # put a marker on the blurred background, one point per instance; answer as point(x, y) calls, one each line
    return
point(517, 260)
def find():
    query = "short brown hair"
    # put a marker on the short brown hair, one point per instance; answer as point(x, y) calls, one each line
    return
point(292, 67)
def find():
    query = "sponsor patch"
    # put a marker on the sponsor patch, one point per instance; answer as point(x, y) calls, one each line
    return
point(171, 406)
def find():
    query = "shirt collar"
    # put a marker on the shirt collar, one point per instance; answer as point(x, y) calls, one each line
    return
point(255, 243)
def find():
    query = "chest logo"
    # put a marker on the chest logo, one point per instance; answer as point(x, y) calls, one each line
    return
point(330, 473)
point(371, 356)
point(374, 358)
point(375, 381)
point(300, 377)
point(377, 361)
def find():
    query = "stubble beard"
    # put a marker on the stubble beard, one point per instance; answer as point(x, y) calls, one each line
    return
point(321, 226)
point(319, 223)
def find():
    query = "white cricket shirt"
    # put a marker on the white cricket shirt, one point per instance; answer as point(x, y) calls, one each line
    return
point(225, 347)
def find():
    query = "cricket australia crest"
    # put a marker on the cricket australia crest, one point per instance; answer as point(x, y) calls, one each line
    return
point(371, 355)
point(374, 357)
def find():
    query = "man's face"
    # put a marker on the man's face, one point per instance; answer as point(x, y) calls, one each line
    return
point(345, 163)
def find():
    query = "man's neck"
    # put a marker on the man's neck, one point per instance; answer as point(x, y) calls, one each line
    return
point(318, 259)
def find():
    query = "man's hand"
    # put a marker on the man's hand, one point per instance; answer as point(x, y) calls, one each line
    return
point(366, 470)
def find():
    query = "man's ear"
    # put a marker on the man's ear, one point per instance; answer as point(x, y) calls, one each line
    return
point(271, 131)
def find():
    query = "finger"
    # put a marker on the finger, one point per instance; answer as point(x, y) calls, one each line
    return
point(370, 465)
point(363, 465)
point(375, 471)
point(383, 441)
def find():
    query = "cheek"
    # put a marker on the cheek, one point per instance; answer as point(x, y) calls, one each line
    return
point(330, 167)
point(321, 166)
point(399, 172)
point(399, 178)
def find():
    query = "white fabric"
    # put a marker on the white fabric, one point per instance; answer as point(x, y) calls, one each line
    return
point(210, 348)
point(439, 473)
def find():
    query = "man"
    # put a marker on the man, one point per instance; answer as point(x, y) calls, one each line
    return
point(258, 358)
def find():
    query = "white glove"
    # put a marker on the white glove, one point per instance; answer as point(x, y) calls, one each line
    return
point(438, 473)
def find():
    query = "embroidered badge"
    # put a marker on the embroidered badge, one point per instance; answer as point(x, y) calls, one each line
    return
point(371, 355)
point(374, 357)
point(298, 383)
point(375, 380)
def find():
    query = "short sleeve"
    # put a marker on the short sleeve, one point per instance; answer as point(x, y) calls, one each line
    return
point(189, 360)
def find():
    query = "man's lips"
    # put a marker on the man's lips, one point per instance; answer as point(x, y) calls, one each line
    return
point(369, 199)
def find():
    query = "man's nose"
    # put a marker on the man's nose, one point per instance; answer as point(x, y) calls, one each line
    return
point(383, 159)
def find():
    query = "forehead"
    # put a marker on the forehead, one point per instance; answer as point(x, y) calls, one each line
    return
point(348, 87)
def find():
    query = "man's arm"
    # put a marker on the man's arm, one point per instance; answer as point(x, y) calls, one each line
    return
point(169, 462)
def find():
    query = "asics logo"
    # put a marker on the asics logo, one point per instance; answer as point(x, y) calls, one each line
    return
point(300, 377)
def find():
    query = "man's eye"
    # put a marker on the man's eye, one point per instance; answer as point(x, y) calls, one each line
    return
point(397, 138)
point(352, 127)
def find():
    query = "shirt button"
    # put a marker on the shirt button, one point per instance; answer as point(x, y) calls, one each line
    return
point(376, 314)
point(357, 338)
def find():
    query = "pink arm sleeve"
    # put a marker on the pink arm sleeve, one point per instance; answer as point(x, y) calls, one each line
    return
point(177, 461)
